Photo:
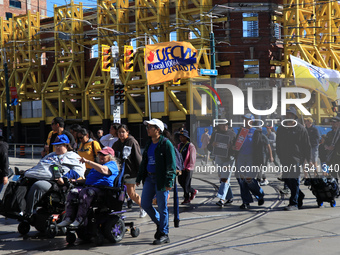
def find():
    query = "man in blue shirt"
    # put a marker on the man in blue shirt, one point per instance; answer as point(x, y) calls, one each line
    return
point(249, 159)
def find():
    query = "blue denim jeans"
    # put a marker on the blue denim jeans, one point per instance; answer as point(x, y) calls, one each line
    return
point(253, 187)
point(160, 216)
point(224, 192)
point(294, 186)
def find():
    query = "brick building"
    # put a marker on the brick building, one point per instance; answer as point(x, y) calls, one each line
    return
point(10, 8)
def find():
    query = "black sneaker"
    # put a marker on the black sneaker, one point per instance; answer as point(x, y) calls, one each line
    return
point(163, 239)
point(220, 203)
point(229, 202)
point(158, 233)
point(244, 206)
point(300, 201)
point(260, 202)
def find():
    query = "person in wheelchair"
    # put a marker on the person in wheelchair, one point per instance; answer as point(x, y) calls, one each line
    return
point(102, 173)
point(55, 167)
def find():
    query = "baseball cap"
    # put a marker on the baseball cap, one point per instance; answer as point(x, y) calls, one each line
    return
point(107, 150)
point(249, 116)
point(61, 139)
point(155, 122)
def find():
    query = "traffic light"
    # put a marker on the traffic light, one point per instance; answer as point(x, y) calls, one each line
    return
point(119, 93)
point(106, 58)
point(128, 58)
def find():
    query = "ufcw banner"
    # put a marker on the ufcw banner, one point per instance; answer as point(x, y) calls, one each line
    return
point(322, 80)
point(170, 61)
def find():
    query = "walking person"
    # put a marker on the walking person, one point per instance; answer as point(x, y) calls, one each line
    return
point(157, 172)
point(74, 129)
point(293, 148)
point(224, 161)
point(333, 149)
point(88, 148)
point(251, 155)
point(112, 137)
point(188, 151)
point(314, 138)
point(58, 128)
point(4, 165)
point(132, 163)
point(205, 139)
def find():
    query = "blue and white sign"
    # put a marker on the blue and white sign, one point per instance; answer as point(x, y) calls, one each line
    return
point(212, 72)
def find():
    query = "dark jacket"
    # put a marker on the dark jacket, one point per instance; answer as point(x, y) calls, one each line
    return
point(165, 164)
point(292, 145)
point(4, 165)
point(133, 161)
point(314, 136)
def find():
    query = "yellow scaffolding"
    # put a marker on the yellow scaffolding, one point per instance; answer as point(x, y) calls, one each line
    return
point(67, 90)
point(311, 30)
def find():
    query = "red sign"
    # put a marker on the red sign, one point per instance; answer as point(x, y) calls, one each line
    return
point(14, 93)
point(240, 139)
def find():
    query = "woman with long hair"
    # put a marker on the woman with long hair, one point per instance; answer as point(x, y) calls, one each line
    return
point(131, 163)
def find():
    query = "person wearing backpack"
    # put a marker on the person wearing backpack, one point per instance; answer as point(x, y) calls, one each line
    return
point(157, 172)
point(225, 160)
point(188, 151)
point(250, 144)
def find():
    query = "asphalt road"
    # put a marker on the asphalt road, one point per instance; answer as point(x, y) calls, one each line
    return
point(204, 228)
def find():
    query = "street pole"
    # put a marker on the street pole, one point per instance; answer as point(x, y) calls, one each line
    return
point(8, 99)
point(213, 66)
point(146, 73)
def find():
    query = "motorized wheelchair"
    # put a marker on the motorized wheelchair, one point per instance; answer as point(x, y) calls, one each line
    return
point(105, 217)
point(50, 209)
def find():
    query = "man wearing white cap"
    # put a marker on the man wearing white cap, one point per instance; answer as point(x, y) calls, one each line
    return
point(157, 172)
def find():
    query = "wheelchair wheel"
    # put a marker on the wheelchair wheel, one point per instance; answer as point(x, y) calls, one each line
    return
point(24, 227)
point(70, 238)
point(52, 230)
point(135, 232)
point(114, 229)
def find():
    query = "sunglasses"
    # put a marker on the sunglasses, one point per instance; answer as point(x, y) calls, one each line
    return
point(80, 137)
point(149, 127)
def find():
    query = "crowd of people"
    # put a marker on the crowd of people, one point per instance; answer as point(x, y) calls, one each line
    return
point(96, 161)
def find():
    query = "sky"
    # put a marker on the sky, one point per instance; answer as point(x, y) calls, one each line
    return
point(51, 3)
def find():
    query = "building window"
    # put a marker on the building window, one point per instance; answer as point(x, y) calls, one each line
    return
point(9, 15)
point(250, 25)
point(251, 68)
point(15, 3)
point(277, 30)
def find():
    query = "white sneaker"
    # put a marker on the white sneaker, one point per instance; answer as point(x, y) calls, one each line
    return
point(264, 183)
point(75, 224)
point(142, 213)
point(64, 223)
